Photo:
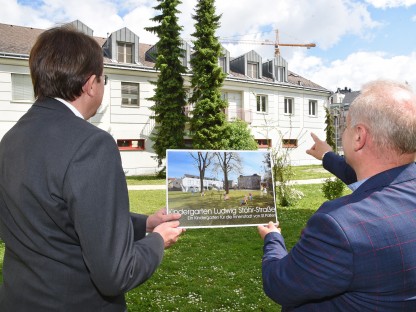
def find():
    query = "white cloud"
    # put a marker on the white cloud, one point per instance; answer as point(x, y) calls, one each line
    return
point(15, 14)
point(384, 4)
point(325, 22)
point(357, 69)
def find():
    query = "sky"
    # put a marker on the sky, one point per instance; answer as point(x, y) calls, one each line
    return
point(180, 162)
point(356, 40)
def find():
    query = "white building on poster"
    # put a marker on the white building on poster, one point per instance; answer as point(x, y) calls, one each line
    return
point(192, 183)
point(280, 107)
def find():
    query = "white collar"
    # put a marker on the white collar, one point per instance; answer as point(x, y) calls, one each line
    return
point(71, 107)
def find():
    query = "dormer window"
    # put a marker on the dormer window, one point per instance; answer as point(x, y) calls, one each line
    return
point(253, 70)
point(222, 63)
point(124, 52)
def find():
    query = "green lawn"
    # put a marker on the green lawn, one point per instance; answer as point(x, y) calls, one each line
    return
point(145, 180)
point(213, 269)
point(299, 173)
point(309, 172)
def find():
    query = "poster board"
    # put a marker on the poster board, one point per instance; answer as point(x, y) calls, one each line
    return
point(196, 187)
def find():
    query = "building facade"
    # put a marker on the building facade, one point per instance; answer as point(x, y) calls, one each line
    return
point(252, 182)
point(340, 102)
point(280, 107)
point(192, 183)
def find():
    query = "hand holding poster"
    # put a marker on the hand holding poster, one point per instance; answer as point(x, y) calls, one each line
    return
point(220, 188)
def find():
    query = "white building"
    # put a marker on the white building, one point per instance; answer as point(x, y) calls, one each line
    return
point(280, 106)
point(192, 183)
point(340, 102)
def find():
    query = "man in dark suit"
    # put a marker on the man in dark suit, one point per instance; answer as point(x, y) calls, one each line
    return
point(358, 252)
point(71, 242)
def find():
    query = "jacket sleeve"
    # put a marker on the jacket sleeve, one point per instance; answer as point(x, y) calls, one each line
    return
point(139, 225)
point(338, 166)
point(318, 266)
point(96, 192)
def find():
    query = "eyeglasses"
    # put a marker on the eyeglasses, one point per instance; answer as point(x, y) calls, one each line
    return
point(105, 79)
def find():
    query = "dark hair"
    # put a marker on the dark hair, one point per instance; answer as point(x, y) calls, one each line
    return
point(61, 61)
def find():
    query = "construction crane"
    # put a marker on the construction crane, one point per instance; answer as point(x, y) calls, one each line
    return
point(276, 43)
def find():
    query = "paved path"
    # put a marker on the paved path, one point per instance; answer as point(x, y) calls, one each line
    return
point(162, 187)
point(310, 181)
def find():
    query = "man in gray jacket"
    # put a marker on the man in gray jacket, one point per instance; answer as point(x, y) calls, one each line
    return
point(71, 242)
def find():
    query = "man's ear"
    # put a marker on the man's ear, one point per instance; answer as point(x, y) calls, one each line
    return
point(89, 86)
point(360, 137)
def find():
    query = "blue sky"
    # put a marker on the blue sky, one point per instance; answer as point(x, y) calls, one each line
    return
point(181, 162)
point(357, 40)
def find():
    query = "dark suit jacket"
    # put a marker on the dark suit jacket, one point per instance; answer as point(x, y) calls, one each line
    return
point(337, 165)
point(357, 253)
point(71, 243)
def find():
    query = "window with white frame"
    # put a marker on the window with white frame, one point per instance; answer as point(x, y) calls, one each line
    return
point(130, 93)
point(222, 63)
point(281, 74)
point(22, 89)
point(253, 70)
point(124, 52)
point(289, 109)
point(261, 103)
point(313, 108)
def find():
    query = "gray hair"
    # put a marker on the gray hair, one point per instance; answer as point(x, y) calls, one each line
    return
point(388, 109)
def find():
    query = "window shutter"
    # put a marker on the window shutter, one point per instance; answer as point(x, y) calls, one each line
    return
point(22, 89)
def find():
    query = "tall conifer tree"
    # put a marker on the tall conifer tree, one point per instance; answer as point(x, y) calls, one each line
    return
point(170, 96)
point(208, 121)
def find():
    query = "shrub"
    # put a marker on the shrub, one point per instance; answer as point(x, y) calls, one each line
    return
point(333, 188)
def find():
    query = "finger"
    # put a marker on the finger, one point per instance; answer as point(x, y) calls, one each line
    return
point(309, 151)
point(262, 231)
point(173, 224)
point(172, 217)
point(315, 137)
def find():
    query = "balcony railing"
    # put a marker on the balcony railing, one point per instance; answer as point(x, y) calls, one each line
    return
point(239, 113)
point(232, 114)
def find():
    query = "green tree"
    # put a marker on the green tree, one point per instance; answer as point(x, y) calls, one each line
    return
point(170, 95)
point(331, 188)
point(329, 129)
point(237, 136)
point(208, 120)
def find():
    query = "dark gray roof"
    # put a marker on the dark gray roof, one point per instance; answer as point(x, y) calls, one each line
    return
point(18, 40)
point(349, 97)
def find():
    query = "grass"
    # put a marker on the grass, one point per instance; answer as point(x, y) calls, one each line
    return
point(299, 173)
point(309, 172)
point(145, 180)
point(214, 269)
